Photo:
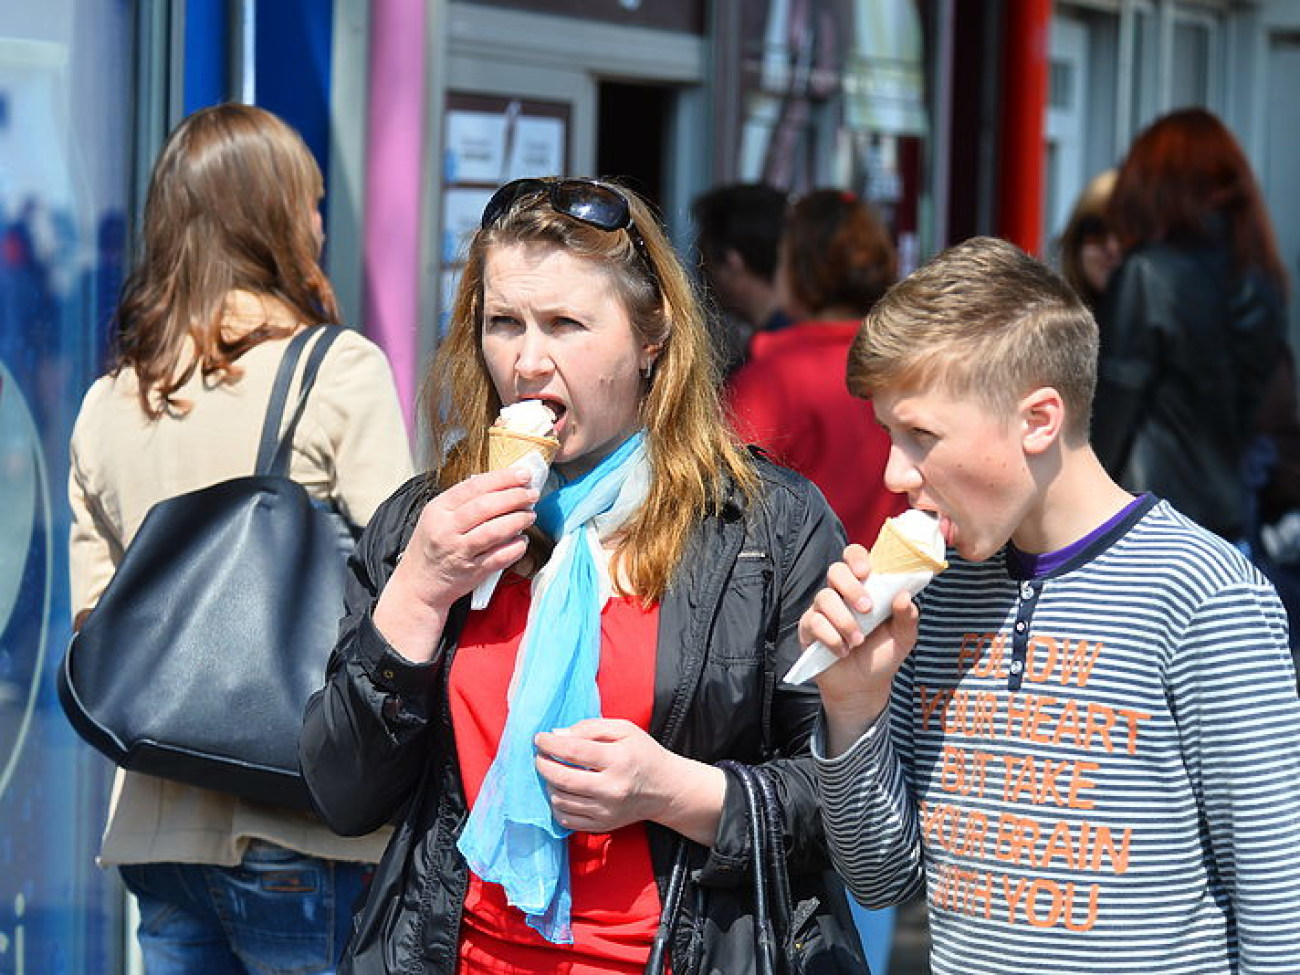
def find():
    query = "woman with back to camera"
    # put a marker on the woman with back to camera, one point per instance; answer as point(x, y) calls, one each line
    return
point(835, 260)
point(228, 271)
point(1192, 322)
point(660, 623)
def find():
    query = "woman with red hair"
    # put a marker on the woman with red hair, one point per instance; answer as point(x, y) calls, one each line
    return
point(1193, 322)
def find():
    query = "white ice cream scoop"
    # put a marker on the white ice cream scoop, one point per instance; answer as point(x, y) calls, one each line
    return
point(529, 416)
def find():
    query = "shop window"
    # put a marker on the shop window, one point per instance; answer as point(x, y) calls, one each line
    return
point(66, 114)
point(1193, 62)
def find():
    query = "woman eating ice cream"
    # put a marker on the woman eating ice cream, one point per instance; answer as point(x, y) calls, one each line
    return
point(552, 758)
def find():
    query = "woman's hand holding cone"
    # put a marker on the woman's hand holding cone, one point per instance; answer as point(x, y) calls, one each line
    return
point(463, 536)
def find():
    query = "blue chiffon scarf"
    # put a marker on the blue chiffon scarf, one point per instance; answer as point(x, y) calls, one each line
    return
point(511, 837)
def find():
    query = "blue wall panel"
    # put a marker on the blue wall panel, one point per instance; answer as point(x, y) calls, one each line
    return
point(207, 43)
point(294, 40)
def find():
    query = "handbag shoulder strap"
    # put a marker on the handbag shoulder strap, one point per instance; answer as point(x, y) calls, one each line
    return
point(661, 947)
point(273, 449)
point(768, 939)
point(774, 861)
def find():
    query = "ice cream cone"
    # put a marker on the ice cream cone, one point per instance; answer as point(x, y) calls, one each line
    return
point(895, 552)
point(507, 446)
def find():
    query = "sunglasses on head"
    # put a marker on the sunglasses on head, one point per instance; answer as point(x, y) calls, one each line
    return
point(587, 201)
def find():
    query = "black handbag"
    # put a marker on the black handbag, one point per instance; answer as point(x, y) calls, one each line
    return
point(780, 925)
point(197, 662)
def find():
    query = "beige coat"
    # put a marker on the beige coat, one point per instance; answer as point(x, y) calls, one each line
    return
point(350, 446)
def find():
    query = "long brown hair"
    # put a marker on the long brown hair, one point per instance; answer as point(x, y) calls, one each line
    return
point(693, 453)
point(230, 208)
point(1180, 172)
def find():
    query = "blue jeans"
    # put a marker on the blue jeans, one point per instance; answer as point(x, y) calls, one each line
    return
point(277, 913)
point(876, 928)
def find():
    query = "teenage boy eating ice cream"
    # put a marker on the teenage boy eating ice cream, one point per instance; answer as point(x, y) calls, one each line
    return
point(1086, 744)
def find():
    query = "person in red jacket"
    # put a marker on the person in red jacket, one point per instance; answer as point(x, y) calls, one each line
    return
point(790, 398)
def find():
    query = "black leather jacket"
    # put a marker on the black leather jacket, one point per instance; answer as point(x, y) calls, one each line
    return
point(377, 742)
point(1187, 348)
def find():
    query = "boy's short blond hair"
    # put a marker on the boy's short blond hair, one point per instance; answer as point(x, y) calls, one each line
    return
point(981, 319)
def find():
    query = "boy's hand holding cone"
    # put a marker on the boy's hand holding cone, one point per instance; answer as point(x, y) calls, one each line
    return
point(907, 554)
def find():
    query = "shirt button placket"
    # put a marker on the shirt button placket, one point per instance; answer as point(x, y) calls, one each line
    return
point(1029, 591)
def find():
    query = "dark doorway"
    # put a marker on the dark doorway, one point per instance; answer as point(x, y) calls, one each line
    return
point(632, 135)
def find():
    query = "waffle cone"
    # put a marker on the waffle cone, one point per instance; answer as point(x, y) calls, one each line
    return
point(895, 552)
point(506, 446)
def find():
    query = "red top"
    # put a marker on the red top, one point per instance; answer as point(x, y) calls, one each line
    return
point(791, 399)
point(615, 901)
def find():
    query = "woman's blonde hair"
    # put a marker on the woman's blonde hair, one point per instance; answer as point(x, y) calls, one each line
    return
point(230, 207)
point(1087, 224)
point(694, 457)
point(982, 320)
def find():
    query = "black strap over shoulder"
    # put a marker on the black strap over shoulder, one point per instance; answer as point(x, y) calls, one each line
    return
point(273, 448)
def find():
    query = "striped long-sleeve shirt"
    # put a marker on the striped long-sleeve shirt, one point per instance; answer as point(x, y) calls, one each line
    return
point(1094, 771)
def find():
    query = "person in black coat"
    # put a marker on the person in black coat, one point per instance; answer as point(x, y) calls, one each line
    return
point(1192, 322)
point(551, 759)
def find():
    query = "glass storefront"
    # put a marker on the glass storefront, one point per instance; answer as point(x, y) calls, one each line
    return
point(66, 121)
